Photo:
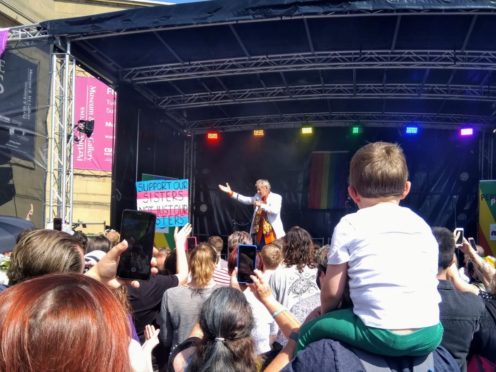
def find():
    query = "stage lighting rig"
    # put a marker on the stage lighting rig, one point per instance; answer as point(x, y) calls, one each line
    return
point(258, 133)
point(411, 130)
point(306, 130)
point(213, 136)
point(466, 132)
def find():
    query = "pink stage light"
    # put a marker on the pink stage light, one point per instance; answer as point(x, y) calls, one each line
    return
point(465, 132)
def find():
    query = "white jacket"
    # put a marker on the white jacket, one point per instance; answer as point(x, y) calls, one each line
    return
point(272, 207)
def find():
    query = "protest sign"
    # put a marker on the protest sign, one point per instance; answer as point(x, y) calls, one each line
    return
point(167, 199)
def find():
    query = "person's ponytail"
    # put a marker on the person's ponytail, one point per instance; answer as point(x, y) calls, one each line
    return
point(226, 321)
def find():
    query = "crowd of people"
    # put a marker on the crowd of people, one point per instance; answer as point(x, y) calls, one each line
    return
point(390, 293)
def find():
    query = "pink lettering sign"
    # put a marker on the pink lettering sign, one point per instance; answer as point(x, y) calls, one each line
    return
point(94, 101)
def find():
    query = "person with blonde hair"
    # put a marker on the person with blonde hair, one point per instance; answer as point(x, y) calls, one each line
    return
point(271, 256)
point(181, 305)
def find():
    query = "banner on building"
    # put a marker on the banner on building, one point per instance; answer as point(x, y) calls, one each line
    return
point(487, 216)
point(24, 104)
point(167, 199)
point(4, 35)
point(94, 101)
point(22, 99)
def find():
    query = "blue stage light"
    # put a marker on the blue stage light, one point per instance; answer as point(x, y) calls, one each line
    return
point(411, 130)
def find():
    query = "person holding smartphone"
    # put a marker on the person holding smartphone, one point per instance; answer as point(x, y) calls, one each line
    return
point(147, 299)
point(266, 224)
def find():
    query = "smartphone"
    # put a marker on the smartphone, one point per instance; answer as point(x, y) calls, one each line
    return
point(472, 243)
point(138, 228)
point(247, 257)
point(459, 236)
point(191, 243)
point(57, 223)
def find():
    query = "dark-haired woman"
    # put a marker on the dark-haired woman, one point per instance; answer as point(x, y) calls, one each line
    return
point(295, 279)
point(224, 340)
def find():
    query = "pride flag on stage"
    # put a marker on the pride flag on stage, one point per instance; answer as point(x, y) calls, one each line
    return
point(328, 179)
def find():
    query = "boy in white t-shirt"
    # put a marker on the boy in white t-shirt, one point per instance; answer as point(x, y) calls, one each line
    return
point(388, 256)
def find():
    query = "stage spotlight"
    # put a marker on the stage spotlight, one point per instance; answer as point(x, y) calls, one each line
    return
point(466, 131)
point(411, 130)
point(86, 127)
point(356, 130)
point(212, 136)
point(258, 132)
point(306, 130)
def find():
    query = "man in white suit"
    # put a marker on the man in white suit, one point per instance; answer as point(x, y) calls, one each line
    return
point(266, 223)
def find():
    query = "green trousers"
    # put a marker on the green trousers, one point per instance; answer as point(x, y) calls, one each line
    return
point(344, 325)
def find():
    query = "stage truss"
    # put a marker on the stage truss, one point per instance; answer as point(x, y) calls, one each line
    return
point(61, 169)
point(143, 77)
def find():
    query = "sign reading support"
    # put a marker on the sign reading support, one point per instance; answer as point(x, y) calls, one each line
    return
point(167, 199)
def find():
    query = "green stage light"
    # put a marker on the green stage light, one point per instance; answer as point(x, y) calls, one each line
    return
point(356, 130)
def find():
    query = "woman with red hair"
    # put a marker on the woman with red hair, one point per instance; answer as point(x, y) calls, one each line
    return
point(63, 322)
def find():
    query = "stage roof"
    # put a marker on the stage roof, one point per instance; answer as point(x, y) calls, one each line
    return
point(239, 65)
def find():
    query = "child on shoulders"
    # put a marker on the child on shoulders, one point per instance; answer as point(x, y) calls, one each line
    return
point(388, 256)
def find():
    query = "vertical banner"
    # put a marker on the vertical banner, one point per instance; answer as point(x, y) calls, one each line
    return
point(94, 101)
point(328, 180)
point(168, 200)
point(24, 104)
point(19, 95)
point(4, 35)
point(487, 216)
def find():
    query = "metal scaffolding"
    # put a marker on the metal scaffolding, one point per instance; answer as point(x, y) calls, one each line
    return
point(334, 119)
point(61, 124)
point(329, 60)
point(61, 170)
point(197, 95)
point(189, 165)
point(27, 32)
point(319, 91)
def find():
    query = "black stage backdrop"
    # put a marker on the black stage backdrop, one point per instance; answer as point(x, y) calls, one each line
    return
point(443, 170)
point(154, 148)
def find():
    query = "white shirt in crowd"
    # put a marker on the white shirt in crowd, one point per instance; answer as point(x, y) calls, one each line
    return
point(392, 265)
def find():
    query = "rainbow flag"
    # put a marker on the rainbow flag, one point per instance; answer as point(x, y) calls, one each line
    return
point(487, 216)
point(328, 179)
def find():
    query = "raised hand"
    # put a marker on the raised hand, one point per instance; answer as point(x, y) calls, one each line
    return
point(181, 235)
point(226, 188)
point(260, 288)
point(30, 213)
point(234, 279)
point(105, 270)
